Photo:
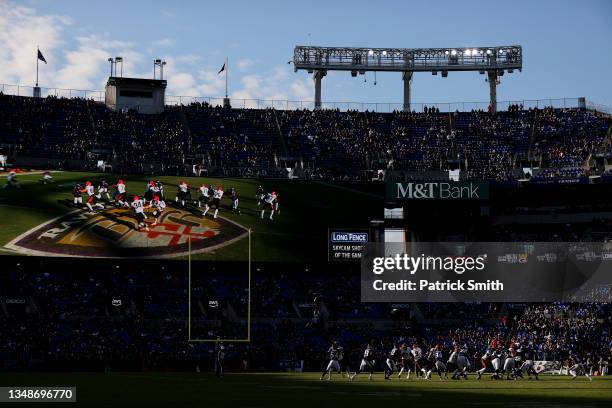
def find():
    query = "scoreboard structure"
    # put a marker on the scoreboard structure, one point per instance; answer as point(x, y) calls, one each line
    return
point(141, 94)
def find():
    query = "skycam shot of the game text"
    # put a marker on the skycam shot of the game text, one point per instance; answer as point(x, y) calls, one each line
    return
point(260, 204)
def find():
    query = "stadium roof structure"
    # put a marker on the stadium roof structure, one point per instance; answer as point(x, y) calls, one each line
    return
point(492, 60)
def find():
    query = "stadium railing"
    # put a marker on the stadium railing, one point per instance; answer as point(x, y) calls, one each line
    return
point(280, 104)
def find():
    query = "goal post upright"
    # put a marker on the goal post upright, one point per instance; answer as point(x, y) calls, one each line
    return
point(216, 340)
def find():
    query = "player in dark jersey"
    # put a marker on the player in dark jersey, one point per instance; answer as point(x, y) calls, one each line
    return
point(528, 365)
point(219, 359)
point(406, 362)
point(77, 197)
point(234, 198)
point(103, 189)
point(438, 361)
point(335, 353)
point(149, 193)
point(259, 194)
point(394, 356)
point(577, 367)
point(159, 190)
point(368, 362)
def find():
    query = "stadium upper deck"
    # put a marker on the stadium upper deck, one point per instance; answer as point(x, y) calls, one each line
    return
point(555, 144)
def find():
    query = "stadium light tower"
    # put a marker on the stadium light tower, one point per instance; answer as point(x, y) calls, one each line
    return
point(492, 60)
point(159, 63)
point(113, 64)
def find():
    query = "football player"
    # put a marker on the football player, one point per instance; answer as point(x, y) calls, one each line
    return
point(119, 194)
point(576, 367)
point(103, 189)
point(234, 198)
point(216, 202)
point(204, 196)
point(181, 193)
point(149, 193)
point(269, 203)
point(407, 362)
point(11, 180)
point(158, 208)
point(367, 363)
point(510, 364)
point(438, 357)
point(139, 206)
point(47, 177)
point(528, 365)
point(334, 353)
point(391, 362)
point(91, 197)
point(76, 194)
point(485, 361)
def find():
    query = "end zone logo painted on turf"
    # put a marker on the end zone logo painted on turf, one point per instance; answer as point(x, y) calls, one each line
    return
point(112, 234)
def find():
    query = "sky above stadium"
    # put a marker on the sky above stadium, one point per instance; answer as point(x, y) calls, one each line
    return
point(566, 45)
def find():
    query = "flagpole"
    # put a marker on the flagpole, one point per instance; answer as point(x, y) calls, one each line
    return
point(37, 51)
point(226, 71)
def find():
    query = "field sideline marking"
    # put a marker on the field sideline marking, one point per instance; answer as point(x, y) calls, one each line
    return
point(248, 338)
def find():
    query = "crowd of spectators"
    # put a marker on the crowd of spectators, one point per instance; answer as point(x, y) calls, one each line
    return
point(136, 319)
point(325, 144)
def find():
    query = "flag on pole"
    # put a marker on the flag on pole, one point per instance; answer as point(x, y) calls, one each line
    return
point(222, 69)
point(41, 57)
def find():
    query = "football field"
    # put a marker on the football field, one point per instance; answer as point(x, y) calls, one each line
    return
point(297, 233)
point(267, 390)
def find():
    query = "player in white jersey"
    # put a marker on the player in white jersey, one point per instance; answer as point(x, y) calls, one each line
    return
point(216, 201)
point(119, 194)
point(181, 194)
point(47, 177)
point(11, 180)
point(269, 203)
point(91, 197)
point(138, 205)
point(335, 354)
point(204, 196)
point(417, 355)
point(158, 208)
point(485, 360)
point(367, 363)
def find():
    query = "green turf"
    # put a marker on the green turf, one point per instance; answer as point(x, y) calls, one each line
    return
point(305, 390)
point(298, 233)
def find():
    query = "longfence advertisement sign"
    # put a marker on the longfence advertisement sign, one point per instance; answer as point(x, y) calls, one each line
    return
point(437, 190)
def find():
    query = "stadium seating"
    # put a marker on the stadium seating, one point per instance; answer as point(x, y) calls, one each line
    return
point(327, 143)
